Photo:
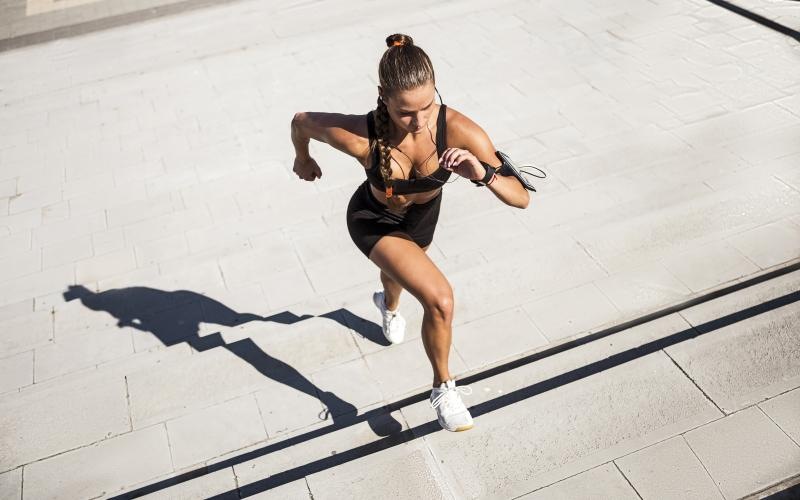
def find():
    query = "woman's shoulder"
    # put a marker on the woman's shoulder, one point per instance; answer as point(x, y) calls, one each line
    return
point(461, 129)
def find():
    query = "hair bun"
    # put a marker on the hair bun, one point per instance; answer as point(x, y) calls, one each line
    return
point(399, 39)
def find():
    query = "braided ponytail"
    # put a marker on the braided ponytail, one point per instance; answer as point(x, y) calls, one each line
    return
point(404, 66)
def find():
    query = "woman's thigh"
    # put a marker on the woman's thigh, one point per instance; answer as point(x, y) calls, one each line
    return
point(405, 262)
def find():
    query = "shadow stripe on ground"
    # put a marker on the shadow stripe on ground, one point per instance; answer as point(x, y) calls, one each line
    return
point(493, 404)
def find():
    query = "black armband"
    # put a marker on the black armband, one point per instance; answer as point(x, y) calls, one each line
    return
point(508, 169)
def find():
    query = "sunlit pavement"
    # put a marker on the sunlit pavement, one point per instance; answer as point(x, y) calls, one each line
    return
point(180, 316)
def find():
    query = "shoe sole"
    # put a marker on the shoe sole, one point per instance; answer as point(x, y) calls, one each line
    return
point(464, 428)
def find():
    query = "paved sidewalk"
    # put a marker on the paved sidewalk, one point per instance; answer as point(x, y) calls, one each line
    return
point(173, 300)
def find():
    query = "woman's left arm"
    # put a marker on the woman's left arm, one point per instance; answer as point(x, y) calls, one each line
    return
point(474, 146)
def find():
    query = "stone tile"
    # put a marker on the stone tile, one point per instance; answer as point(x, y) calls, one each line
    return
point(108, 241)
point(88, 410)
point(81, 351)
point(769, 245)
point(195, 382)
point(404, 471)
point(34, 285)
point(274, 457)
point(404, 368)
point(107, 465)
point(22, 333)
point(744, 362)
point(308, 345)
point(530, 268)
point(156, 251)
point(214, 431)
point(709, 265)
point(572, 312)
point(340, 272)
point(681, 220)
point(20, 264)
point(733, 125)
point(16, 371)
point(598, 483)
point(15, 243)
point(213, 483)
point(66, 230)
point(16, 309)
point(11, 484)
point(496, 337)
point(67, 252)
point(668, 470)
point(350, 381)
point(642, 289)
point(105, 266)
point(560, 432)
point(296, 490)
point(744, 452)
point(783, 410)
point(286, 287)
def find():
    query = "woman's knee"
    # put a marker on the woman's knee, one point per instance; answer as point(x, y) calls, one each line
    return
point(440, 303)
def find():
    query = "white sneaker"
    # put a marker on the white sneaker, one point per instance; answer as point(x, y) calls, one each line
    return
point(453, 415)
point(394, 326)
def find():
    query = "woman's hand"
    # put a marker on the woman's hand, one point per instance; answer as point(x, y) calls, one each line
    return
point(306, 169)
point(463, 163)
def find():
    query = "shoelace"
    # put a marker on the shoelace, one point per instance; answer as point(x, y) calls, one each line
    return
point(445, 396)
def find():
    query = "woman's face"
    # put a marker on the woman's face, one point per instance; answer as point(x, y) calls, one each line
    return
point(411, 110)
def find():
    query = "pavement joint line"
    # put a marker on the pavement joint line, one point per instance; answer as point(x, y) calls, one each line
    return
point(627, 480)
point(683, 437)
point(693, 381)
point(776, 423)
point(431, 427)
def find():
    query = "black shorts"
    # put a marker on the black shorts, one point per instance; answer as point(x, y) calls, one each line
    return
point(368, 219)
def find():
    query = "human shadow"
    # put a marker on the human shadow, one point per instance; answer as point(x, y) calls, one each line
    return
point(175, 317)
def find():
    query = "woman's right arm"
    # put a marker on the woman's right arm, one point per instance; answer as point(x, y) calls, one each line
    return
point(347, 133)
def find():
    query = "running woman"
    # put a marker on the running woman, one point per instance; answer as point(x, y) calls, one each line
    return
point(409, 146)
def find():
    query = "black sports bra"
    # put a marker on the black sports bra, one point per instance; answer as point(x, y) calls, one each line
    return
point(407, 186)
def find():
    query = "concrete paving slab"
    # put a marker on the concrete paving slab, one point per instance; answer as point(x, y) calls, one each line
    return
point(352, 382)
point(558, 433)
point(87, 410)
point(216, 375)
point(572, 312)
point(783, 410)
point(538, 425)
point(769, 245)
point(16, 371)
point(642, 289)
point(214, 431)
point(598, 483)
point(107, 465)
point(81, 351)
point(296, 490)
point(668, 470)
point(709, 265)
point(11, 484)
point(404, 471)
point(22, 333)
point(745, 362)
point(408, 359)
point(497, 337)
point(218, 482)
point(278, 461)
point(744, 452)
